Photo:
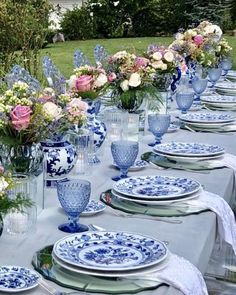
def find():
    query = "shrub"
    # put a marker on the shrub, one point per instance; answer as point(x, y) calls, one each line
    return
point(77, 24)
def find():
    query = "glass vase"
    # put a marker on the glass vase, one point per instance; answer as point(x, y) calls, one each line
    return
point(26, 159)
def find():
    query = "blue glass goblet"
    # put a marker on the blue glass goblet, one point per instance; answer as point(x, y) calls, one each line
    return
point(199, 86)
point(124, 153)
point(158, 124)
point(74, 197)
point(226, 65)
point(214, 75)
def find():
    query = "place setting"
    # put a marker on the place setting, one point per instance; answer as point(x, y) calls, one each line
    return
point(219, 102)
point(208, 122)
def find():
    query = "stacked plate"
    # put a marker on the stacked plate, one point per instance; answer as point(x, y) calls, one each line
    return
point(226, 87)
point(221, 102)
point(156, 190)
point(206, 121)
point(110, 254)
point(231, 75)
point(189, 151)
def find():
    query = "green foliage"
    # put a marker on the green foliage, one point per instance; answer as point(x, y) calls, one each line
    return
point(18, 203)
point(78, 24)
point(24, 25)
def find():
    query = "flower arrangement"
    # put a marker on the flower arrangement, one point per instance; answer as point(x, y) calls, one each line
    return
point(88, 82)
point(200, 44)
point(22, 117)
point(131, 78)
point(6, 203)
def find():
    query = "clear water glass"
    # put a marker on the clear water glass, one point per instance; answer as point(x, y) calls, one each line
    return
point(124, 153)
point(115, 121)
point(214, 75)
point(184, 101)
point(73, 196)
point(158, 124)
point(199, 86)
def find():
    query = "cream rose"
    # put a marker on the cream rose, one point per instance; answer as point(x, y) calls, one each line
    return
point(157, 56)
point(120, 54)
point(169, 56)
point(124, 85)
point(3, 184)
point(134, 80)
point(72, 81)
point(100, 81)
point(52, 110)
point(179, 36)
point(157, 64)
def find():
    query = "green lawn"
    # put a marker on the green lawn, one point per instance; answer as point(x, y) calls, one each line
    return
point(62, 53)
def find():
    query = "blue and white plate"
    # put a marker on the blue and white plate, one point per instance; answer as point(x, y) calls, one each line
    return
point(17, 279)
point(226, 87)
point(156, 187)
point(138, 165)
point(93, 208)
point(110, 251)
point(206, 118)
point(188, 149)
point(172, 128)
point(219, 99)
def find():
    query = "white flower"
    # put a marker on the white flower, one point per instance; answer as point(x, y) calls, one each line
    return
point(120, 54)
point(3, 184)
point(179, 36)
point(72, 82)
point(100, 81)
point(169, 56)
point(124, 85)
point(157, 56)
point(134, 80)
point(52, 110)
point(116, 3)
point(159, 65)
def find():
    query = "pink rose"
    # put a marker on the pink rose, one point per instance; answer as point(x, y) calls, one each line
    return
point(198, 40)
point(111, 77)
point(20, 117)
point(141, 62)
point(78, 104)
point(83, 83)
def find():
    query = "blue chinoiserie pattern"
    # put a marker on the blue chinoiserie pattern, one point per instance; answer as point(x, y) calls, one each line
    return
point(207, 117)
point(110, 251)
point(61, 157)
point(16, 278)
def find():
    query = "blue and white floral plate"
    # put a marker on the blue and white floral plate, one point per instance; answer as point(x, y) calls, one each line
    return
point(207, 118)
point(226, 87)
point(110, 251)
point(188, 149)
point(156, 187)
point(219, 99)
point(138, 165)
point(17, 279)
point(93, 207)
point(172, 128)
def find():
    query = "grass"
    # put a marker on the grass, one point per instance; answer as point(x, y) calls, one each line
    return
point(62, 53)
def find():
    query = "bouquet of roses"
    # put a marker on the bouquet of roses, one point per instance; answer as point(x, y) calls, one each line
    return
point(88, 82)
point(6, 202)
point(131, 78)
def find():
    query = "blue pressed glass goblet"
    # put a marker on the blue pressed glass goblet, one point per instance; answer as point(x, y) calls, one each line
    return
point(158, 124)
point(199, 86)
point(124, 153)
point(226, 65)
point(74, 197)
point(214, 75)
point(184, 101)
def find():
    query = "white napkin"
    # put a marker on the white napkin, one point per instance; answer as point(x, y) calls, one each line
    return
point(182, 275)
point(225, 216)
point(228, 160)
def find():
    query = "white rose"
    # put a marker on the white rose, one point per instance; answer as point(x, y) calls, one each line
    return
point(163, 67)
point(157, 64)
point(49, 91)
point(101, 80)
point(3, 184)
point(169, 56)
point(157, 56)
point(52, 110)
point(134, 80)
point(72, 81)
point(179, 36)
point(124, 85)
point(120, 54)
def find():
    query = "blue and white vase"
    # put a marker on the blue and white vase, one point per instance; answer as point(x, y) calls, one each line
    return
point(60, 159)
point(97, 128)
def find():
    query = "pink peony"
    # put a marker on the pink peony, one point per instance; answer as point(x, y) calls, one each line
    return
point(83, 83)
point(198, 40)
point(111, 77)
point(20, 117)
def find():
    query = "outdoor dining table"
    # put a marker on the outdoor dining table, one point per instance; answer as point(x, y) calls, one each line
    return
point(193, 239)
